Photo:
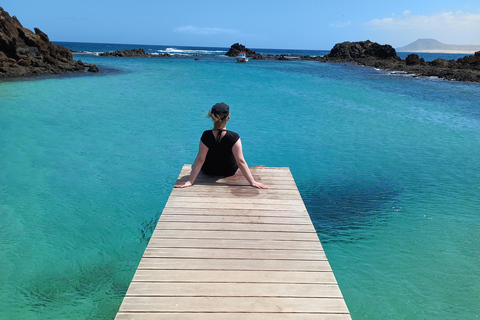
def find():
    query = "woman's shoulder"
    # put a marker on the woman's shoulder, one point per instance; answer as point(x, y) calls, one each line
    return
point(207, 133)
point(233, 133)
point(233, 136)
point(207, 136)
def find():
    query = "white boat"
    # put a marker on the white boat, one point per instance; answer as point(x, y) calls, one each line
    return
point(242, 57)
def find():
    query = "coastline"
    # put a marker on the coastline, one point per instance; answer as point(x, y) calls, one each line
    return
point(372, 54)
point(411, 65)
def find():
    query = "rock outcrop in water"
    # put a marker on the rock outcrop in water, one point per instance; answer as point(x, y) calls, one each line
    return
point(351, 51)
point(24, 53)
point(236, 48)
point(133, 53)
point(372, 54)
point(125, 53)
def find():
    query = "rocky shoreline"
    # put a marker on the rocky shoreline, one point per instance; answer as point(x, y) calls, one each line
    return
point(372, 54)
point(133, 53)
point(25, 53)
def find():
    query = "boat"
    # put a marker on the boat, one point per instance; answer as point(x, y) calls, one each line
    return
point(242, 57)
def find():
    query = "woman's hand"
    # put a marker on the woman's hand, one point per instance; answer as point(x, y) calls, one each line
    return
point(183, 185)
point(258, 185)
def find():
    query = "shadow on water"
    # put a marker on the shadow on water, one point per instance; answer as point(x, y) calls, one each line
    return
point(339, 210)
point(93, 290)
point(147, 228)
point(105, 70)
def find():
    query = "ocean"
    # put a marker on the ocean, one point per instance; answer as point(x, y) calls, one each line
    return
point(386, 164)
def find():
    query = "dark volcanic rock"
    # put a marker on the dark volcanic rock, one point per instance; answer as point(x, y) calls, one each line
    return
point(469, 62)
point(237, 48)
point(132, 53)
point(125, 53)
point(23, 52)
point(361, 50)
point(92, 68)
point(465, 69)
point(413, 60)
point(372, 54)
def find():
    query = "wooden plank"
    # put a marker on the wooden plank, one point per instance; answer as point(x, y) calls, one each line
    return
point(238, 192)
point(216, 253)
point(233, 304)
point(225, 226)
point(235, 211)
point(234, 264)
point(242, 254)
point(234, 244)
point(234, 276)
point(230, 316)
point(237, 201)
point(227, 289)
point(249, 219)
point(227, 205)
point(235, 235)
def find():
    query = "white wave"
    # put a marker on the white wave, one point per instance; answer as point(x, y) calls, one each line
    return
point(90, 53)
point(191, 51)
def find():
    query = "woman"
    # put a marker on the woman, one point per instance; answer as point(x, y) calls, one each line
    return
point(220, 152)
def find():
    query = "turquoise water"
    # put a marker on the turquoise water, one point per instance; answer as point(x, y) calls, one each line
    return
point(387, 166)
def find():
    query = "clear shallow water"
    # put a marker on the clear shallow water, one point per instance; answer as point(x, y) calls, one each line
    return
point(387, 166)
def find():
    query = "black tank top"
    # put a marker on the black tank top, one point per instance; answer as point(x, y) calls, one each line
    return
point(220, 160)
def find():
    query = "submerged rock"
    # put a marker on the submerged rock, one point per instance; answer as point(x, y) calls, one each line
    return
point(24, 53)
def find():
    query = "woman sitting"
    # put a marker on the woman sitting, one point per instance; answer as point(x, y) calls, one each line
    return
point(220, 152)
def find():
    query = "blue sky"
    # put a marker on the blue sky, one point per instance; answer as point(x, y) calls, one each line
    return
point(300, 24)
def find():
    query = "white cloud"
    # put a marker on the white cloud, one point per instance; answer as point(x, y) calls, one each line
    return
point(204, 31)
point(442, 20)
point(455, 27)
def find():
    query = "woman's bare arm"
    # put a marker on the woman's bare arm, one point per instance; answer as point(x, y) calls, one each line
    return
point(197, 166)
point(242, 164)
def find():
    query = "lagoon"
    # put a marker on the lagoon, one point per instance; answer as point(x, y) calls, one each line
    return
point(387, 166)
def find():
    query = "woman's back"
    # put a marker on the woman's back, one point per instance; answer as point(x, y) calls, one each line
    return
point(220, 159)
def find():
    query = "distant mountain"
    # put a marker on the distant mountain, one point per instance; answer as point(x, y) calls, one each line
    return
point(432, 45)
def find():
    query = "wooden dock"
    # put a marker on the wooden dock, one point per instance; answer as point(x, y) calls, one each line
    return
point(223, 250)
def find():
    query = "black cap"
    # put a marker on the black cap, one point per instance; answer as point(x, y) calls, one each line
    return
point(221, 109)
